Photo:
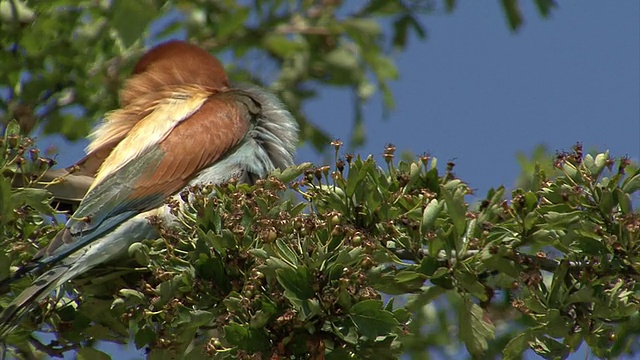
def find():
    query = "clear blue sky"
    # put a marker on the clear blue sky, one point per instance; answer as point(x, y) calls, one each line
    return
point(477, 93)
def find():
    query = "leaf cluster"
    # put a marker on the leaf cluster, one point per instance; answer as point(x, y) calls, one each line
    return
point(368, 262)
point(22, 224)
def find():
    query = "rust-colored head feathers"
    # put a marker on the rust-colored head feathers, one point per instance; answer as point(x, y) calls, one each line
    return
point(160, 72)
point(173, 63)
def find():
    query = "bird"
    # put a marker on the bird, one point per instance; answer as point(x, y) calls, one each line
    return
point(180, 123)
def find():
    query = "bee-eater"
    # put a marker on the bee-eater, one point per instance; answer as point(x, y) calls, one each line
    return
point(180, 123)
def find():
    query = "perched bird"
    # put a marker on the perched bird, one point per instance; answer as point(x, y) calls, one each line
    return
point(180, 123)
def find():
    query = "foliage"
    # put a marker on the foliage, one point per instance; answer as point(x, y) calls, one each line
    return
point(21, 222)
point(364, 263)
point(51, 80)
point(360, 261)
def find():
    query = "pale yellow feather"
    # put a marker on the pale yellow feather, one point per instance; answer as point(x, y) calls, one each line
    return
point(164, 115)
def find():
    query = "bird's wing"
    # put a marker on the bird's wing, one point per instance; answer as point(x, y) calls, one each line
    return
point(162, 169)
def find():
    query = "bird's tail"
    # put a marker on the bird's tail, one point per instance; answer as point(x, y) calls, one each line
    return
point(41, 287)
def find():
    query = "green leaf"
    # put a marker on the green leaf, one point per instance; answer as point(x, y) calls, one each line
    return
point(199, 318)
point(12, 129)
point(131, 19)
point(505, 266)
point(589, 244)
point(429, 265)
point(530, 201)
point(558, 218)
point(517, 345)
point(342, 58)
point(422, 302)
point(297, 282)
point(6, 204)
point(87, 353)
point(292, 172)
point(545, 6)
point(345, 330)
point(357, 173)
point(590, 163)
point(624, 201)
point(456, 207)
point(282, 45)
point(607, 202)
point(38, 199)
point(161, 354)
point(133, 297)
point(286, 252)
point(144, 337)
point(474, 330)
point(362, 26)
point(549, 348)
point(259, 320)
point(401, 27)
point(5, 266)
point(430, 214)
point(450, 5)
point(371, 320)
point(410, 278)
point(556, 325)
point(15, 11)
point(558, 287)
point(470, 283)
point(384, 67)
point(339, 354)
point(632, 184)
point(403, 315)
point(246, 338)
point(233, 22)
point(513, 14)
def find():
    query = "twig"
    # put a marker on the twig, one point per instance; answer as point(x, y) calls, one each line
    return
point(537, 260)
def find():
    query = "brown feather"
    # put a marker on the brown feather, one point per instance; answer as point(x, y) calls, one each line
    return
point(170, 64)
point(178, 104)
point(219, 125)
point(118, 123)
point(173, 63)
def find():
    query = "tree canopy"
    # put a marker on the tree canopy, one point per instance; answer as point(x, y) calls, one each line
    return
point(350, 260)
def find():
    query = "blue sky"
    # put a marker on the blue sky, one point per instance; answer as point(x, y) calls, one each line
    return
point(477, 94)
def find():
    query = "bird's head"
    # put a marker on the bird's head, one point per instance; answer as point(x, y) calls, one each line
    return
point(173, 63)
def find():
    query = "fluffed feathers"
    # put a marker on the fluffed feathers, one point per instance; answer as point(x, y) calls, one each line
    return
point(180, 124)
